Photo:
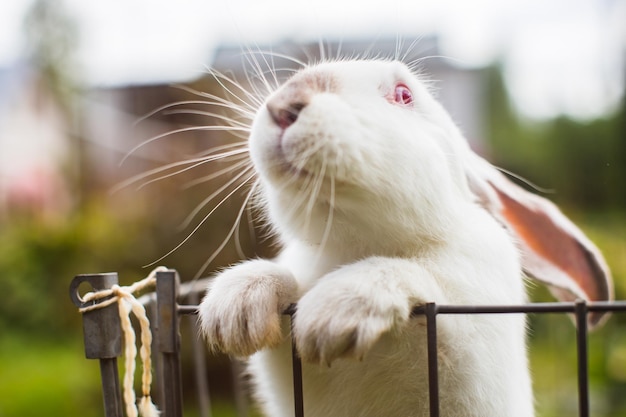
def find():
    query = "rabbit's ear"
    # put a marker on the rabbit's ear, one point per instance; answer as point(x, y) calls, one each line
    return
point(554, 250)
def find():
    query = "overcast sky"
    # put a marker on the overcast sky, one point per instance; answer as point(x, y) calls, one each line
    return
point(560, 56)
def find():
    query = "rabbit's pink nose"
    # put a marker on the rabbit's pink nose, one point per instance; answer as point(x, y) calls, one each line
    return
point(283, 114)
point(287, 103)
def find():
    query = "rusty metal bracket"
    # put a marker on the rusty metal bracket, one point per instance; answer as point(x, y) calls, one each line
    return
point(103, 338)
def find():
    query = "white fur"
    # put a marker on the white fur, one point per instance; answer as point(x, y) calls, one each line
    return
point(371, 203)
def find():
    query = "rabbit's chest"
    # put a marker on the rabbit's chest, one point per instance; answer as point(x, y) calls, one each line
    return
point(391, 380)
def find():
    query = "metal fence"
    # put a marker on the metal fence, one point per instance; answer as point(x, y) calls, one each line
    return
point(102, 337)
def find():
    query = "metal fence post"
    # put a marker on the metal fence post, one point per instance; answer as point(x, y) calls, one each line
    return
point(583, 367)
point(103, 338)
point(199, 360)
point(297, 381)
point(169, 342)
point(433, 367)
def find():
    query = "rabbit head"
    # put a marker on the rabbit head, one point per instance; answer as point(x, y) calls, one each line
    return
point(361, 139)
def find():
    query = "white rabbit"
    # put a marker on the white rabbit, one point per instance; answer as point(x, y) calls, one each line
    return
point(381, 206)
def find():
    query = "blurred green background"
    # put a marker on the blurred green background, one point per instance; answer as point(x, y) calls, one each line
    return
point(62, 214)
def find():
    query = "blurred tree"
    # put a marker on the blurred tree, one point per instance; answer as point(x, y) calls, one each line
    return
point(583, 162)
point(51, 39)
point(38, 252)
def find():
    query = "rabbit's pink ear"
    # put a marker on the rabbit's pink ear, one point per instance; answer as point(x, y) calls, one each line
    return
point(554, 250)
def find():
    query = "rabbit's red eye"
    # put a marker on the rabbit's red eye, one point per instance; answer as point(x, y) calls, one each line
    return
point(403, 95)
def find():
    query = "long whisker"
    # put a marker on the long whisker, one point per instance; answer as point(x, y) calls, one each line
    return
point(202, 158)
point(244, 108)
point(317, 185)
point(212, 176)
point(250, 222)
point(214, 194)
point(232, 230)
point(409, 50)
point(251, 58)
point(416, 63)
point(329, 220)
point(182, 130)
point(302, 197)
point(308, 188)
point(286, 57)
point(228, 119)
point(527, 182)
point(272, 70)
point(204, 219)
point(322, 49)
point(217, 101)
point(206, 160)
point(219, 148)
point(222, 79)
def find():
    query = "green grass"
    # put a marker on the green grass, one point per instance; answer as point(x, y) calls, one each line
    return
point(52, 378)
point(47, 379)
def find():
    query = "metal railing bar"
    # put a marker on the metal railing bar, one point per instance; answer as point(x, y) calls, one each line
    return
point(298, 394)
point(187, 309)
point(582, 357)
point(199, 360)
point(433, 367)
point(111, 390)
point(605, 306)
point(563, 307)
point(157, 359)
point(240, 387)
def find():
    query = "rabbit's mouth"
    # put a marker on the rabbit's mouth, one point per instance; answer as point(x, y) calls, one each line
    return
point(286, 155)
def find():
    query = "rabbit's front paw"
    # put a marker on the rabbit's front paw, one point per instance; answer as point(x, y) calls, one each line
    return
point(345, 314)
point(241, 312)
